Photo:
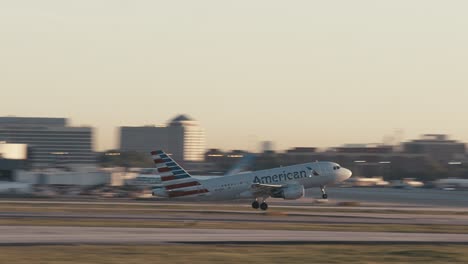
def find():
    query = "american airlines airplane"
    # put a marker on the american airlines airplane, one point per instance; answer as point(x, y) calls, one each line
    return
point(286, 182)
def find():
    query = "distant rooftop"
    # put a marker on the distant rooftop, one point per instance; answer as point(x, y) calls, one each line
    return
point(437, 137)
point(10, 121)
point(176, 121)
point(362, 145)
point(434, 138)
point(302, 150)
point(181, 118)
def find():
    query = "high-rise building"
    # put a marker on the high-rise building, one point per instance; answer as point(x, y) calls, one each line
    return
point(49, 140)
point(182, 137)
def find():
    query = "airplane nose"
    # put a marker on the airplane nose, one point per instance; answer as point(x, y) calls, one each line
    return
point(344, 175)
point(347, 173)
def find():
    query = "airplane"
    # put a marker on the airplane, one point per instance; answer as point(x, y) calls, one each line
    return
point(286, 182)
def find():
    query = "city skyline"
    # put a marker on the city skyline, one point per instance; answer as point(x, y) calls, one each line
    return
point(395, 139)
point(311, 73)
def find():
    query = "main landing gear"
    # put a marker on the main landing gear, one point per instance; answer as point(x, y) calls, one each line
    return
point(255, 205)
point(263, 205)
point(324, 192)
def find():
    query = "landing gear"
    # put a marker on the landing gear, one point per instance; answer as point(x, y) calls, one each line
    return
point(324, 192)
point(263, 205)
point(255, 205)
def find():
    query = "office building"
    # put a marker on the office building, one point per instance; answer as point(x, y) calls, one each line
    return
point(49, 140)
point(438, 147)
point(182, 137)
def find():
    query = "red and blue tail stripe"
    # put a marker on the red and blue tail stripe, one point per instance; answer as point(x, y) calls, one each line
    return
point(176, 181)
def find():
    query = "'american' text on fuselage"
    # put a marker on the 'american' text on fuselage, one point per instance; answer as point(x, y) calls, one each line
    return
point(280, 177)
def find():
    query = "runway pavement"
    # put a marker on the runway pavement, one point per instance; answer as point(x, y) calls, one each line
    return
point(31, 235)
point(374, 210)
point(297, 211)
point(367, 196)
point(403, 197)
point(253, 216)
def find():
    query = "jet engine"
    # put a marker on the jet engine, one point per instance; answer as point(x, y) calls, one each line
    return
point(290, 192)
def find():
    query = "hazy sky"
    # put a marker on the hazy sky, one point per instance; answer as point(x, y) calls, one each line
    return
point(300, 73)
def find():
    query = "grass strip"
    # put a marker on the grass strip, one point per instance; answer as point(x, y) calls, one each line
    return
point(107, 254)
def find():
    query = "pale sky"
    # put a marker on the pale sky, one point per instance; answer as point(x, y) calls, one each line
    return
point(299, 73)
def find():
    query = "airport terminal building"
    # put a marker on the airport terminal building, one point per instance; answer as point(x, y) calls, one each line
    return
point(182, 137)
point(50, 141)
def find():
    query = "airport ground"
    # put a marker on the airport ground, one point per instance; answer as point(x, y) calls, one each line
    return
point(328, 253)
point(357, 225)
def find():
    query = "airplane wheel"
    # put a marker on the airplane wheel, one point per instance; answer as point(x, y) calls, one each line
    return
point(255, 205)
point(264, 206)
point(324, 196)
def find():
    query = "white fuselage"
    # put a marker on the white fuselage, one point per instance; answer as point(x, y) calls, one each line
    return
point(314, 174)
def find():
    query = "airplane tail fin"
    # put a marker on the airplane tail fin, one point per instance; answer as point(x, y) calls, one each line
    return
point(176, 181)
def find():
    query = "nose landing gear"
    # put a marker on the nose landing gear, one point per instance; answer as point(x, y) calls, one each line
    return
point(324, 192)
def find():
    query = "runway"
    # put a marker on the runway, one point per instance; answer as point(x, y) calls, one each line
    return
point(374, 209)
point(254, 216)
point(37, 235)
point(419, 198)
point(285, 215)
point(397, 197)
